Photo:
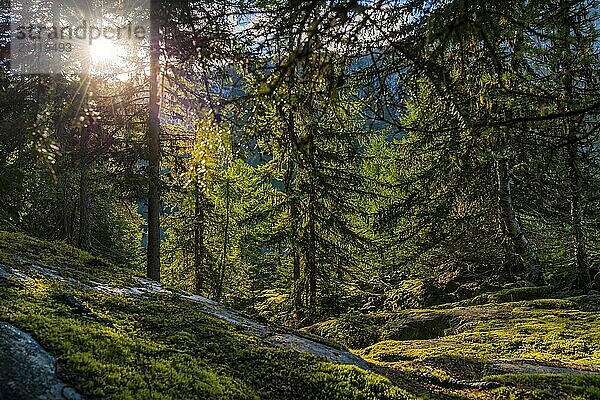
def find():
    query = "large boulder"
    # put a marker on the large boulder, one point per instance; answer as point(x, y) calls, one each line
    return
point(27, 371)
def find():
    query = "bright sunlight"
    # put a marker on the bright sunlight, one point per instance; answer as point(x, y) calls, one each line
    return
point(104, 52)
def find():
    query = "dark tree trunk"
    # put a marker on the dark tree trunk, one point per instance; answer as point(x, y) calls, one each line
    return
point(293, 244)
point(85, 202)
point(513, 227)
point(311, 262)
point(84, 240)
point(66, 217)
point(225, 244)
point(199, 270)
point(289, 183)
point(508, 219)
point(582, 277)
point(311, 250)
point(153, 261)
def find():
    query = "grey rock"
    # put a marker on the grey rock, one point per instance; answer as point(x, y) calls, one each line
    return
point(334, 355)
point(27, 371)
point(529, 366)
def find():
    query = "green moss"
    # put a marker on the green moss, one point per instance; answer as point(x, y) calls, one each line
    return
point(543, 330)
point(16, 249)
point(353, 330)
point(160, 347)
point(460, 343)
point(548, 387)
point(163, 347)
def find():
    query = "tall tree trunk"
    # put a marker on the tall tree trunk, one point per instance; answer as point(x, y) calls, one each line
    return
point(66, 217)
point(513, 227)
point(225, 243)
point(293, 209)
point(311, 251)
point(311, 261)
point(153, 254)
point(582, 276)
point(84, 241)
point(199, 256)
point(85, 202)
point(290, 178)
point(509, 223)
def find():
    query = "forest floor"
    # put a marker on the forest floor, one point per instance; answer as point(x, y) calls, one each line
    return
point(115, 335)
point(507, 345)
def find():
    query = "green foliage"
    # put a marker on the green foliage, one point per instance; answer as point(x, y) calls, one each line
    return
point(312, 153)
point(42, 155)
point(210, 199)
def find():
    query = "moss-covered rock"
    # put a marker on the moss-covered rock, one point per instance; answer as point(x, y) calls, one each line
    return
point(158, 346)
point(505, 296)
point(458, 345)
point(162, 347)
point(549, 334)
point(415, 293)
point(354, 330)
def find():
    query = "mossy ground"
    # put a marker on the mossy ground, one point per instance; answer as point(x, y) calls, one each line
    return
point(158, 347)
point(463, 341)
point(164, 347)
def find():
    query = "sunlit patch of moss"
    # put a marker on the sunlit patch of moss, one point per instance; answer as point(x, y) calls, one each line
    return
point(18, 250)
point(548, 387)
point(526, 330)
point(457, 360)
point(354, 384)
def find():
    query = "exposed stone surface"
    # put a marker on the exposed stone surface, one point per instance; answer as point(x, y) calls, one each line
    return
point(526, 366)
point(27, 371)
point(283, 340)
point(309, 346)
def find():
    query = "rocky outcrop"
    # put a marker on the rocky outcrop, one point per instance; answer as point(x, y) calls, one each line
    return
point(530, 366)
point(275, 337)
point(28, 372)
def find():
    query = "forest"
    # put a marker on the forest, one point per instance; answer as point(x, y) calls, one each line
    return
point(415, 183)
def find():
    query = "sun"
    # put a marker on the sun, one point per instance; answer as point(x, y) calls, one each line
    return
point(110, 58)
point(104, 52)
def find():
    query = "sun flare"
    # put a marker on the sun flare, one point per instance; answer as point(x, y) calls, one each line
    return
point(104, 51)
